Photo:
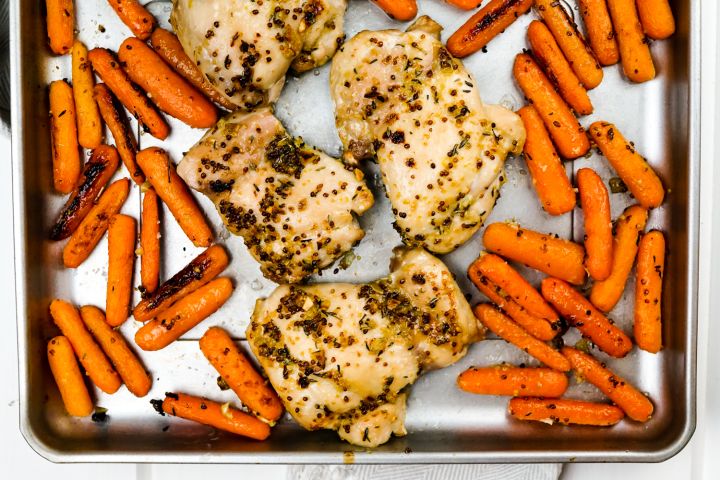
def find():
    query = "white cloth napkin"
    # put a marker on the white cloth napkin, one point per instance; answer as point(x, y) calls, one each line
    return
point(546, 471)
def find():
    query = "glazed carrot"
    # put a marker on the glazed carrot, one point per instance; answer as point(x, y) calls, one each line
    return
point(150, 242)
point(554, 190)
point(628, 398)
point(598, 225)
point(161, 174)
point(656, 18)
point(465, 4)
point(96, 364)
point(84, 240)
point(606, 293)
point(515, 381)
point(565, 412)
point(548, 54)
point(126, 363)
point(567, 134)
point(68, 378)
point(109, 70)
point(635, 55)
point(402, 10)
point(600, 31)
point(222, 417)
point(485, 25)
point(167, 45)
point(239, 374)
point(633, 169)
point(63, 132)
point(117, 123)
point(89, 126)
point(60, 25)
point(168, 90)
point(648, 292)
point(121, 259)
point(135, 16)
point(582, 315)
point(506, 329)
point(194, 275)
point(545, 252)
point(97, 173)
point(571, 42)
point(184, 315)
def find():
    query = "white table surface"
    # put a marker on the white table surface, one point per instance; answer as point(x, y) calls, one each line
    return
point(699, 460)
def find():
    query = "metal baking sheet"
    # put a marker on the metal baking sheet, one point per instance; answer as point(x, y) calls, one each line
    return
point(445, 425)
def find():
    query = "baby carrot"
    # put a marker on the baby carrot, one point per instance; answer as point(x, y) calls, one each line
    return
point(648, 291)
point(135, 16)
point(565, 412)
point(465, 4)
point(89, 126)
point(96, 364)
point(628, 398)
point(635, 55)
point(121, 258)
point(656, 18)
point(600, 31)
point(150, 242)
point(598, 225)
point(63, 132)
point(401, 10)
point(60, 25)
point(514, 381)
point(239, 374)
point(69, 380)
point(222, 417)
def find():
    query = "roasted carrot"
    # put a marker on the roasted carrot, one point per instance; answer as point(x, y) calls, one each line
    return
point(150, 243)
point(606, 293)
point(117, 123)
point(635, 55)
point(633, 169)
point(63, 132)
point(595, 203)
point(109, 70)
point(582, 315)
point(401, 10)
point(121, 258)
point(565, 412)
point(485, 25)
point(89, 126)
point(600, 31)
point(222, 417)
point(126, 363)
point(161, 174)
point(515, 381)
point(194, 275)
point(554, 190)
point(239, 374)
point(509, 331)
point(84, 240)
point(656, 18)
point(97, 173)
point(68, 378)
point(571, 42)
point(96, 364)
point(168, 90)
point(184, 315)
point(628, 398)
point(135, 16)
point(648, 292)
point(545, 252)
point(465, 4)
point(567, 134)
point(60, 25)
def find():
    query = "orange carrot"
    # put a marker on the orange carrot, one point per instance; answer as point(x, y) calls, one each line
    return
point(567, 134)
point(96, 364)
point(506, 329)
point(656, 18)
point(84, 240)
point(600, 31)
point(582, 315)
point(635, 55)
point(89, 126)
point(485, 25)
point(549, 178)
point(121, 258)
point(239, 374)
point(565, 412)
point(150, 242)
point(401, 10)
point(598, 225)
point(60, 25)
point(222, 417)
point(633, 169)
point(547, 253)
point(116, 348)
point(465, 4)
point(514, 381)
point(648, 292)
point(69, 380)
point(135, 16)
point(184, 315)
point(628, 398)
point(175, 194)
point(63, 132)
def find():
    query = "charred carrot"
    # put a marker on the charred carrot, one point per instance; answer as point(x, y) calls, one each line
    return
point(68, 378)
point(121, 258)
point(628, 398)
point(564, 412)
point(150, 242)
point(600, 31)
point(96, 364)
point(135, 16)
point(239, 374)
point(648, 292)
point(60, 25)
point(656, 18)
point(549, 178)
point(173, 191)
point(514, 381)
point(63, 132)
point(222, 417)
point(401, 10)
point(635, 55)
point(116, 348)
point(89, 126)
point(567, 134)
point(465, 4)
point(595, 203)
